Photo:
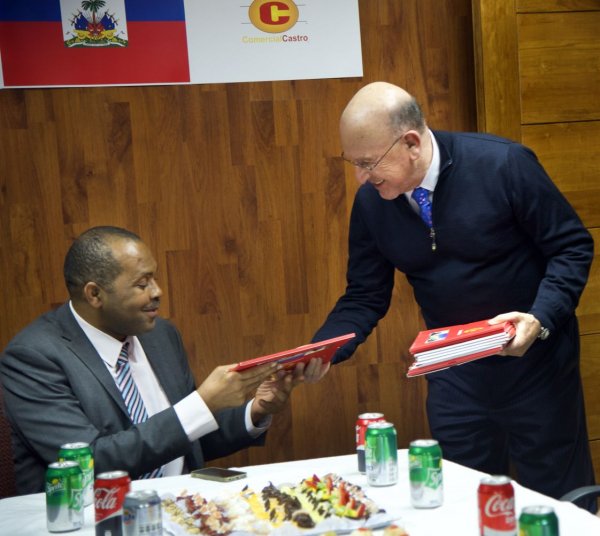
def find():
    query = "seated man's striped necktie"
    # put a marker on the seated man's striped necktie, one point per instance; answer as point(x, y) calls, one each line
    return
point(131, 396)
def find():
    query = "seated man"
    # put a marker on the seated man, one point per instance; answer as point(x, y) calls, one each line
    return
point(104, 369)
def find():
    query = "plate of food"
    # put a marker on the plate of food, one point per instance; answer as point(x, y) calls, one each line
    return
point(314, 506)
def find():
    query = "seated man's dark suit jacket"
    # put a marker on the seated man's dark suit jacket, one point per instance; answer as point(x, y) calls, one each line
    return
point(58, 390)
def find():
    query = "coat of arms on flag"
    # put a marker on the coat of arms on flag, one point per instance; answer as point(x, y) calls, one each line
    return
point(94, 23)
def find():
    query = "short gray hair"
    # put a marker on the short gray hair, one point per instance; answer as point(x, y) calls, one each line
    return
point(407, 116)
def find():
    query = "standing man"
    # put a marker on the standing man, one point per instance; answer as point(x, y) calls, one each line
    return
point(105, 369)
point(480, 231)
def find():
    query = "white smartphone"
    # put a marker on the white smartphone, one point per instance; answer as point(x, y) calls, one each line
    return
point(218, 473)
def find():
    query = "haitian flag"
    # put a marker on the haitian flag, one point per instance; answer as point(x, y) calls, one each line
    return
point(93, 42)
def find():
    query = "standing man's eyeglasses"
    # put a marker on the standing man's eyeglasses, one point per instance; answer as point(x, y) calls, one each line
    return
point(371, 167)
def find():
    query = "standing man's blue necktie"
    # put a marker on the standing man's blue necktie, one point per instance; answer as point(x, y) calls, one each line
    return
point(421, 196)
point(131, 396)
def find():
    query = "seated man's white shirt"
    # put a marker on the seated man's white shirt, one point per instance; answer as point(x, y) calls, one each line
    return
point(193, 413)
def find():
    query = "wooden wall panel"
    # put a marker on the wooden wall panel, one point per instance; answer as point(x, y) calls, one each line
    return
point(541, 6)
point(497, 81)
point(590, 375)
point(240, 191)
point(565, 150)
point(595, 448)
point(559, 66)
point(588, 311)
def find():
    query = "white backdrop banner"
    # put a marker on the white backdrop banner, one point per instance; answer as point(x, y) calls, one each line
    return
point(233, 41)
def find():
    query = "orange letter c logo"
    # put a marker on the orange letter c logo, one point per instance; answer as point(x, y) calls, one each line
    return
point(273, 16)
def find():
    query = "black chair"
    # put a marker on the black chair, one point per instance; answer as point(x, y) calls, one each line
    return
point(7, 468)
point(583, 492)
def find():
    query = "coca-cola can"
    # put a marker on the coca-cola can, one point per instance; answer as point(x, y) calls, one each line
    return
point(363, 420)
point(110, 489)
point(496, 497)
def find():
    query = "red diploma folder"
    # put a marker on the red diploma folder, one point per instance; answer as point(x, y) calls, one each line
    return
point(301, 354)
point(437, 349)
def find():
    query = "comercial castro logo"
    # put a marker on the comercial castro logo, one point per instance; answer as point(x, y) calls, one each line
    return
point(273, 16)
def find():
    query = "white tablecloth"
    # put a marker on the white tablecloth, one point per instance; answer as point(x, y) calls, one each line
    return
point(26, 515)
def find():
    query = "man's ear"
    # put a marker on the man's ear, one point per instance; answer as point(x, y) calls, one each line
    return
point(92, 294)
point(414, 143)
point(412, 139)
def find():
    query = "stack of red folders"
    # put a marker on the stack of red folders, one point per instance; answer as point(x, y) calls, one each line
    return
point(437, 349)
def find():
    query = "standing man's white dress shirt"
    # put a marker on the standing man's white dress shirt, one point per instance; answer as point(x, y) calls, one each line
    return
point(431, 177)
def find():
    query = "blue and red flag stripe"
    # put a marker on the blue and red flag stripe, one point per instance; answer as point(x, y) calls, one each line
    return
point(34, 54)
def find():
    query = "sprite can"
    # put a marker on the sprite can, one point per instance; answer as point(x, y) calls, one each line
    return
point(425, 469)
point(64, 496)
point(82, 454)
point(381, 454)
point(538, 521)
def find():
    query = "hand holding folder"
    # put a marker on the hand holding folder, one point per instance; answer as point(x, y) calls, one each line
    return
point(440, 348)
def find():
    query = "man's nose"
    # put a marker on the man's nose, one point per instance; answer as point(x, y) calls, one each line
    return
point(362, 175)
point(155, 290)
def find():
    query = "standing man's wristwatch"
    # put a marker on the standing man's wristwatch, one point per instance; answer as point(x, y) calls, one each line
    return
point(544, 333)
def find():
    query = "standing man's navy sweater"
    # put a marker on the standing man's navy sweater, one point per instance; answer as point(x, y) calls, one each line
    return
point(503, 239)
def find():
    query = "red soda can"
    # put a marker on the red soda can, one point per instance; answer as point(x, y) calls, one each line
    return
point(496, 497)
point(109, 495)
point(364, 419)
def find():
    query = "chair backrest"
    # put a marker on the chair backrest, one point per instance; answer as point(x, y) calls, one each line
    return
point(584, 498)
point(7, 468)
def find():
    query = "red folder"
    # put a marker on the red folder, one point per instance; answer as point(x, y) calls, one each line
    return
point(440, 348)
point(302, 354)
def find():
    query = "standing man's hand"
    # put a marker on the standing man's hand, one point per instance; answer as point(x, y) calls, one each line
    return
point(224, 388)
point(527, 329)
point(314, 371)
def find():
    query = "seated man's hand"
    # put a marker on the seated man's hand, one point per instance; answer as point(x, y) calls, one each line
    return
point(272, 395)
point(224, 388)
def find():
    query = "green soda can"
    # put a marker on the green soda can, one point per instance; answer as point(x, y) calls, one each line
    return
point(381, 454)
point(82, 454)
point(425, 469)
point(64, 496)
point(538, 521)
